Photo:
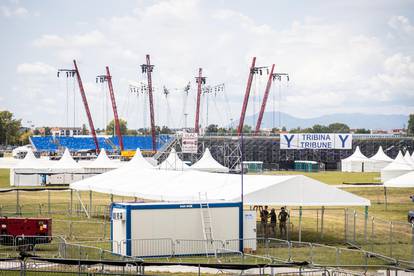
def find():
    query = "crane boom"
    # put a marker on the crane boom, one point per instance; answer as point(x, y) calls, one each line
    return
point(151, 102)
point(199, 82)
point(116, 118)
point(85, 103)
point(246, 97)
point(266, 95)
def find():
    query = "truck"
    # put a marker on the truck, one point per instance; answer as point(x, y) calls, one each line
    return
point(25, 231)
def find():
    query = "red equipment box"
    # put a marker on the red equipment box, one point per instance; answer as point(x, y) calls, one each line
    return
point(25, 230)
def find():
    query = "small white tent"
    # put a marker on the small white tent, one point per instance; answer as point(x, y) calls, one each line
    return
point(402, 181)
point(101, 164)
point(377, 162)
point(209, 164)
point(355, 162)
point(137, 162)
point(64, 171)
point(408, 159)
point(173, 162)
point(398, 167)
point(26, 172)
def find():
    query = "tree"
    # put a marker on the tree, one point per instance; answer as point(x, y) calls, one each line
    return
point(212, 128)
point(166, 130)
point(49, 132)
point(362, 131)
point(410, 127)
point(9, 128)
point(339, 128)
point(110, 128)
point(320, 129)
point(132, 132)
point(24, 137)
point(84, 130)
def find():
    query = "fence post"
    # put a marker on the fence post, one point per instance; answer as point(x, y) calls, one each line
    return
point(90, 203)
point(17, 202)
point(70, 229)
point(104, 229)
point(317, 220)
point(365, 224)
point(345, 224)
point(354, 236)
point(372, 234)
point(391, 226)
point(322, 215)
point(300, 223)
point(1, 210)
point(71, 202)
point(48, 201)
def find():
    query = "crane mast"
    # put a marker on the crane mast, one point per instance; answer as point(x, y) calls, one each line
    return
point(266, 95)
point(147, 68)
point(246, 97)
point(108, 78)
point(199, 80)
point(85, 103)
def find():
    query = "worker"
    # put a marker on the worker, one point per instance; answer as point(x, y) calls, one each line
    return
point(264, 215)
point(273, 219)
point(283, 216)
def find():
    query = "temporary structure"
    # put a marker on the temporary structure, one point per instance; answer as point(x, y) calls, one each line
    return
point(21, 150)
point(64, 171)
point(26, 172)
point(137, 162)
point(101, 164)
point(170, 185)
point(355, 162)
point(8, 162)
point(402, 181)
point(209, 164)
point(377, 162)
point(408, 159)
point(398, 167)
point(173, 162)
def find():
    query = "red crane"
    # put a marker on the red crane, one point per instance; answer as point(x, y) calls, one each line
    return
point(85, 103)
point(246, 96)
point(108, 78)
point(199, 80)
point(266, 95)
point(147, 68)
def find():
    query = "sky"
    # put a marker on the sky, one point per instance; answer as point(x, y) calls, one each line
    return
point(341, 56)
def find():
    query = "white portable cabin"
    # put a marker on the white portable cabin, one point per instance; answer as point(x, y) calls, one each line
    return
point(163, 229)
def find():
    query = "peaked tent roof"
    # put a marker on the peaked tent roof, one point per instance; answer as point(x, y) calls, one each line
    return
point(208, 163)
point(173, 162)
point(356, 156)
point(103, 162)
point(402, 181)
point(66, 162)
point(138, 162)
point(170, 185)
point(407, 158)
point(31, 162)
point(399, 164)
point(381, 156)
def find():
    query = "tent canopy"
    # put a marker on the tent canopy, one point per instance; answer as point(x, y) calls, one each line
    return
point(138, 162)
point(402, 181)
point(356, 156)
point(173, 162)
point(66, 162)
point(408, 160)
point(31, 162)
point(170, 185)
point(399, 164)
point(209, 164)
point(103, 162)
point(381, 156)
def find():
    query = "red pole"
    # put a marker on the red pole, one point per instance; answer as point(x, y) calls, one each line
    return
point(151, 102)
point(196, 127)
point(246, 97)
point(116, 119)
point(266, 95)
point(85, 103)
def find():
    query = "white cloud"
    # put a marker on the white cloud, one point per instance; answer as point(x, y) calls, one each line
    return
point(37, 68)
point(402, 24)
point(10, 12)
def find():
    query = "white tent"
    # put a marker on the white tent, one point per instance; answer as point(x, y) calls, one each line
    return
point(21, 150)
point(8, 162)
point(402, 181)
point(26, 172)
point(66, 164)
point(408, 159)
point(138, 162)
point(170, 185)
point(377, 162)
point(355, 162)
point(209, 164)
point(398, 167)
point(173, 162)
point(101, 164)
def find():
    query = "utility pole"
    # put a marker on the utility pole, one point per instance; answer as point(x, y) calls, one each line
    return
point(199, 80)
point(148, 68)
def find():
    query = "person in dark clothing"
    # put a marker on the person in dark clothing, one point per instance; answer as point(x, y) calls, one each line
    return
point(264, 215)
point(283, 217)
point(273, 221)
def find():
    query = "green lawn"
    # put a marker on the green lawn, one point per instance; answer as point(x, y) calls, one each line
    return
point(4, 178)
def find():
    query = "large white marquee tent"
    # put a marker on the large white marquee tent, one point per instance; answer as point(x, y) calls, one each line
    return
point(398, 167)
point(355, 162)
point(377, 162)
point(173, 162)
point(209, 164)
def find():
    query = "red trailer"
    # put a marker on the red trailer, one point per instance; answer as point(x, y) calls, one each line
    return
point(24, 231)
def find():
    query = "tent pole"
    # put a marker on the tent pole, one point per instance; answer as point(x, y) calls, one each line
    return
point(385, 197)
point(90, 202)
point(71, 202)
point(17, 202)
point(82, 205)
point(300, 223)
point(322, 214)
point(366, 223)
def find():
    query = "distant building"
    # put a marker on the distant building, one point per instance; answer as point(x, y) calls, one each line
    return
point(398, 131)
point(66, 131)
